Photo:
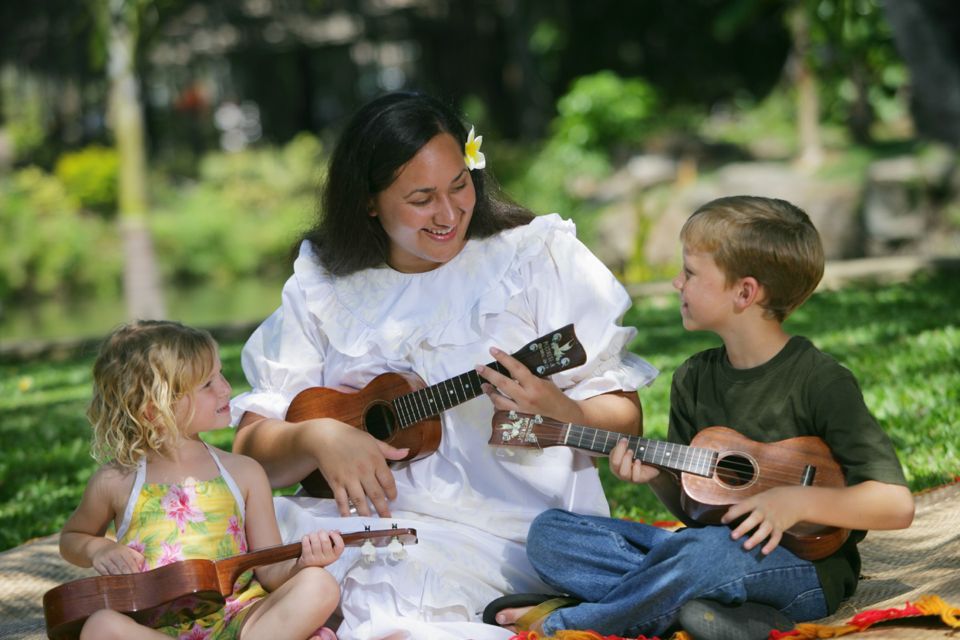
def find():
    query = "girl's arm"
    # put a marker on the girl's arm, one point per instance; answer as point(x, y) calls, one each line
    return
point(319, 548)
point(82, 541)
point(867, 505)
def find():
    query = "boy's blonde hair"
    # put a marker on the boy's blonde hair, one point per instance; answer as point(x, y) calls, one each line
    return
point(142, 370)
point(766, 238)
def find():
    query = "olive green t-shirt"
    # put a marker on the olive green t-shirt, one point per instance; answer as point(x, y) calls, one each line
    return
point(800, 392)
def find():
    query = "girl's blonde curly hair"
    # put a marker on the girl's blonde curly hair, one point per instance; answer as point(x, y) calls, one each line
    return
point(142, 370)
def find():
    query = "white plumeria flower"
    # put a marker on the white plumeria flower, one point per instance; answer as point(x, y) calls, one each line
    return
point(471, 150)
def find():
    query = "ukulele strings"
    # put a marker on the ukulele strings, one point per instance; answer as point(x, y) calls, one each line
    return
point(726, 469)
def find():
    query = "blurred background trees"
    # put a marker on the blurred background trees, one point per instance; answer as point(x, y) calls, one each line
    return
point(622, 115)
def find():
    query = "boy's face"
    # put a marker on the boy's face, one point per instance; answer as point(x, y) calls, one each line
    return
point(706, 302)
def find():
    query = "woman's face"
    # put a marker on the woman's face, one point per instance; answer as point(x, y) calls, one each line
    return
point(427, 209)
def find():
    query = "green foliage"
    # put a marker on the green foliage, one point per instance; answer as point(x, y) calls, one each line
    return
point(242, 217)
point(766, 127)
point(50, 246)
point(22, 112)
point(90, 176)
point(901, 341)
point(860, 68)
point(604, 112)
point(601, 117)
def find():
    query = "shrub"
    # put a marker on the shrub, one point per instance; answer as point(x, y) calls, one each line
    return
point(604, 112)
point(601, 117)
point(90, 176)
point(242, 217)
point(50, 247)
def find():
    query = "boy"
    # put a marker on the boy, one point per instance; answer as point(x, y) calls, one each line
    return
point(748, 262)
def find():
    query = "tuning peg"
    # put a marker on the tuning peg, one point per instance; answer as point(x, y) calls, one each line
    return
point(397, 552)
point(368, 552)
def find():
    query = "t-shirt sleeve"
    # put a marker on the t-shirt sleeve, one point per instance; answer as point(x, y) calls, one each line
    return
point(283, 356)
point(569, 284)
point(857, 441)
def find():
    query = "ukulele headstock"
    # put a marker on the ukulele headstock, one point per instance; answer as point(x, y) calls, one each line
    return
point(552, 353)
point(393, 539)
point(513, 429)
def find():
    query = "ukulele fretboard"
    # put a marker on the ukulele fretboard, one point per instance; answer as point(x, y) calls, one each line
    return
point(430, 401)
point(695, 460)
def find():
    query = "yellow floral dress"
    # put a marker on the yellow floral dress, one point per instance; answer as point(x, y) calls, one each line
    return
point(194, 520)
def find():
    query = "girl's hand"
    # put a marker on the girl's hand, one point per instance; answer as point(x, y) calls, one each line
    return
point(770, 513)
point(354, 464)
point(116, 559)
point(320, 548)
point(624, 466)
point(524, 392)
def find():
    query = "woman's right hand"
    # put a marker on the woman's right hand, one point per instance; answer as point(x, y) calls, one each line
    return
point(354, 464)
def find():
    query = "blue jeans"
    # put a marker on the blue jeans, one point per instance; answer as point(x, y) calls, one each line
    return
point(633, 578)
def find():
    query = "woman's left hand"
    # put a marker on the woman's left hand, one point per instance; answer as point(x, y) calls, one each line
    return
point(524, 392)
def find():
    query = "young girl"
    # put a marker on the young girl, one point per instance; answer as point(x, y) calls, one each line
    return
point(157, 386)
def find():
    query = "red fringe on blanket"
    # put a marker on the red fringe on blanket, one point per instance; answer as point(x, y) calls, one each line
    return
point(590, 635)
point(929, 605)
point(926, 606)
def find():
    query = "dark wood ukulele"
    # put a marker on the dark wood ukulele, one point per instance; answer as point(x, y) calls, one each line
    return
point(188, 588)
point(401, 410)
point(719, 468)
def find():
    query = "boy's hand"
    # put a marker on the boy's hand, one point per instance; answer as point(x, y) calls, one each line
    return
point(320, 548)
point(770, 513)
point(117, 559)
point(624, 466)
point(525, 392)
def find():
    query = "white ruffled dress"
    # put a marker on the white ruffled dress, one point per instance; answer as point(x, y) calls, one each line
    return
point(470, 503)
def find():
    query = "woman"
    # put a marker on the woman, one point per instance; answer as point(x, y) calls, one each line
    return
point(415, 266)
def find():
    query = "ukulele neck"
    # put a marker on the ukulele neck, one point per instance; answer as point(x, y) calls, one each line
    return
point(419, 405)
point(669, 455)
point(229, 569)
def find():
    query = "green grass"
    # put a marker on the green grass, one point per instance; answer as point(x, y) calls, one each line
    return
point(901, 341)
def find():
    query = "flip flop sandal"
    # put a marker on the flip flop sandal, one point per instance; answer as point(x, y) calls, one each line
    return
point(543, 604)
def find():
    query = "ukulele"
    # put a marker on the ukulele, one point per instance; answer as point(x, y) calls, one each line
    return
point(401, 410)
point(188, 588)
point(719, 468)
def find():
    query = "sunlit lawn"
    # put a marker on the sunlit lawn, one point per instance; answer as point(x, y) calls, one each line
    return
point(901, 341)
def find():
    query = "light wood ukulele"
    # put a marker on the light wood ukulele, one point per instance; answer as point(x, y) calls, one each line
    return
point(719, 468)
point(401, 410)
point(188, 588)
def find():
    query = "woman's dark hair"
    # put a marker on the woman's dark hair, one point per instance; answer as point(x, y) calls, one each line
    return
point(380, 138)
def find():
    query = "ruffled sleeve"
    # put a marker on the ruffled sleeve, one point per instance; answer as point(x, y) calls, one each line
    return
point(284, 356)
point(565, 282)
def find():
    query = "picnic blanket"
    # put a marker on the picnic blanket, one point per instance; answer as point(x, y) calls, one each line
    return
point(899, 567)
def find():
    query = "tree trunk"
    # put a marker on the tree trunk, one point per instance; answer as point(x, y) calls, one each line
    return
point(810, 153)
point(141, 280)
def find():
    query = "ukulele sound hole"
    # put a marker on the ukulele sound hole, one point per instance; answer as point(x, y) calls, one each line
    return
point(380, 421)
point(735, 470)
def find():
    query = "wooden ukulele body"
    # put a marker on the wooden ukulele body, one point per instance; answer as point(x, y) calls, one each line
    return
point(368, 409)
